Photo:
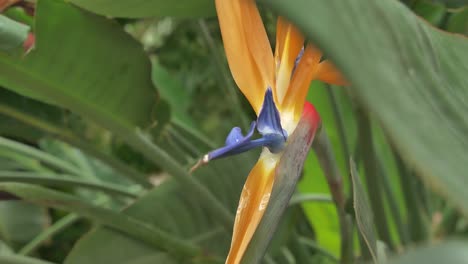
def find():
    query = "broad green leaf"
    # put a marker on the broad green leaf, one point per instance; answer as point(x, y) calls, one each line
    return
point(12, 34)
point(148, 8)
point(85, 63)
point(453, 252)
point(363, 212)
point(17, 259)
point(171, 208)
point(411, 76)
point(287, 174)
point(132, 227)
point(20, 221)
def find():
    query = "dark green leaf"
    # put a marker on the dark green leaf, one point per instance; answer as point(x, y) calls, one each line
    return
point(148, 8)
point(85, 63)
point(411, 76)
point(458, 22)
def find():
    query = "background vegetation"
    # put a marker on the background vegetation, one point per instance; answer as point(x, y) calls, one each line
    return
point(102, 119)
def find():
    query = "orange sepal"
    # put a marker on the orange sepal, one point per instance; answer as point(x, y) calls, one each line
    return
point(252, 204)
point(243, 63)
point(305, 72)
point(327, 72)
point(289, 42)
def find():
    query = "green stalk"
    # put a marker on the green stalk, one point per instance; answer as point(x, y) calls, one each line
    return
point(160, 157)
point(326, 158)
point(126, 224)
point(373, 177)
point(417, 225)
point(309, 197)
point(393, 204)
point(339, 121)
point(39, 155)
point(74, 140)
point(56, 228)
point(66, 181)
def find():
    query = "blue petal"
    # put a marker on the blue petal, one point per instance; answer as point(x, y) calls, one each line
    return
point(234, 143)
point(269, 121)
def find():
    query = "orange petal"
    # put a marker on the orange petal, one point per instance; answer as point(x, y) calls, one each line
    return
point(305, 72)
point(245, 50)
point(257, 40)
point(327, 72)
point(289, 42)
point(252, 204)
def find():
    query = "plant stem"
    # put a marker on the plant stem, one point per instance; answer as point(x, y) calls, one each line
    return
point(64, 181)
point(326, 158)
point(372, 175)
point(309, 197)
point(57, 227)
point(39, 155)
point(160, 157)
point(124, 223)
point(416, 223)
point(72, 139)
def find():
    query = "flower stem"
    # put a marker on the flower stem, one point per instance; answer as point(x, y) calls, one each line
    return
point(323, 148)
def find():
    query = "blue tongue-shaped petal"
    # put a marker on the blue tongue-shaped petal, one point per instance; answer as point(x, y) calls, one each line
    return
point(269, 121)
point(268, 125)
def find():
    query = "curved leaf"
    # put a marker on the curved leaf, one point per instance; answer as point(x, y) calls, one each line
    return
point(148, 8)
point(85, 63)
point(410, 75)
point(171, 208)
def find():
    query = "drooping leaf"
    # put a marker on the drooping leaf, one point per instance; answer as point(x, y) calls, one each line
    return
point(85, 63)
point(170, 208)
point(363, 212)
point(148, 8)
point(411, 76)
point(453, 252)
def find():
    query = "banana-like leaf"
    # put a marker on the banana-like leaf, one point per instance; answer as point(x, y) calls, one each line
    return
point(453, 252)
point(170, 208)
point(148, 8)
point(85, 63)
point(411, 76)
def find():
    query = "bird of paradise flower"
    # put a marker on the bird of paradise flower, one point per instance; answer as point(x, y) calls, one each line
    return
point(276, 86)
